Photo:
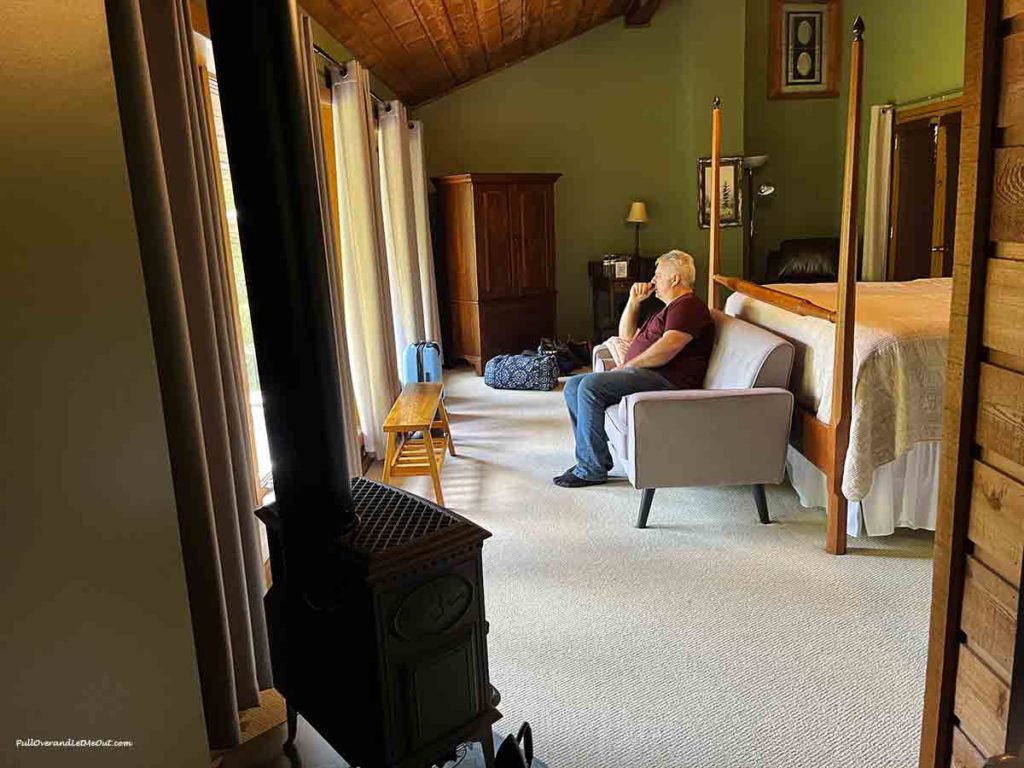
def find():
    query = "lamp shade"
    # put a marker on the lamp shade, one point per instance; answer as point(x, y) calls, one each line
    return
point(637, 213)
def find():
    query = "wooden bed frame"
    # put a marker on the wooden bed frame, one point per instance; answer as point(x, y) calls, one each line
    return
point(824, 445)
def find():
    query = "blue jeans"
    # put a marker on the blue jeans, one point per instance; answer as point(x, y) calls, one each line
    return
point(587, 396)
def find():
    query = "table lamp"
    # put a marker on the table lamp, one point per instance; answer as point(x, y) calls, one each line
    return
point(637, 216)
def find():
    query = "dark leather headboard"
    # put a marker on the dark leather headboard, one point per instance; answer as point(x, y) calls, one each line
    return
point(804, 260)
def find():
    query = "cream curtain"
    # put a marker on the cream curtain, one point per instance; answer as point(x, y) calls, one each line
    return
point(366, 296)
point(424, 246)
point(399, 208)
point(174, 184)
point(876, 200)
point(311, 78)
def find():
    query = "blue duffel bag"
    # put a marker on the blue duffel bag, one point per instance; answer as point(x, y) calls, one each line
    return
point(538, 372)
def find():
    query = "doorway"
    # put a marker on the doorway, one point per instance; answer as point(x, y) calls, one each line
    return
point(925, 160)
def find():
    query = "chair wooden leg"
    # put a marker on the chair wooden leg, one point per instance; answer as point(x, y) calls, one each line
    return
point(389, 457)
point(645, 507)
point(435, 470)
point(447, 428)
point(762, 504)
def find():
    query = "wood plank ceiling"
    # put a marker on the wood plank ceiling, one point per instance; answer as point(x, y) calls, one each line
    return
point(425, 48)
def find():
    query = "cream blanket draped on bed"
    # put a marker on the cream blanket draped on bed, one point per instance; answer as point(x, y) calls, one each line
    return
point(899, 365)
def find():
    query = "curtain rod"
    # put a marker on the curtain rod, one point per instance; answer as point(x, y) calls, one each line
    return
point(343, 68)
point(925, 99)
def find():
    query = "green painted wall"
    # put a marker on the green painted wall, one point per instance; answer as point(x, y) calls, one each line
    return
point(913, 49)
point(799, 138)
point(97, 641)
point(623, 114)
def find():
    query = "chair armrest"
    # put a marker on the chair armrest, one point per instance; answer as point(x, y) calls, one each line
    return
point(602, 358)
point(706, 437)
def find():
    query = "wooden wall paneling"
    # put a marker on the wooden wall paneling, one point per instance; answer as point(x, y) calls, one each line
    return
point(1015, 720)
point(1004, 306)
point(1001, 412)
point(956, 471)
point(1013, 251)
point(965, 754)
point(982, 703)
point(1011, 96)
point(1008, 195)
point(996, 525)
point(989, 618)
point(1012, 8)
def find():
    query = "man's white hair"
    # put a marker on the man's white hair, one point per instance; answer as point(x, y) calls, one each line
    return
point(680, 263)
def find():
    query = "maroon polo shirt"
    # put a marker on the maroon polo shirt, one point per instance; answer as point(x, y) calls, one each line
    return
point(687, 314)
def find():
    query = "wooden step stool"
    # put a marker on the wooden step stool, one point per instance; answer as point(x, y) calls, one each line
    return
point(418, 409)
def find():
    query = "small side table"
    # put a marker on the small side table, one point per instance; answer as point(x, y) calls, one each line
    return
point(609, 295)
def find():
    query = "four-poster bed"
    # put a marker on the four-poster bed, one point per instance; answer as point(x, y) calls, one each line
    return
point(897, 357)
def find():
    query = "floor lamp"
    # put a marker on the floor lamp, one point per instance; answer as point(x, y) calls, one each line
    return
point(751, 164)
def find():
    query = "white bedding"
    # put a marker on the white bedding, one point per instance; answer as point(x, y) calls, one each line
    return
point(899, 364)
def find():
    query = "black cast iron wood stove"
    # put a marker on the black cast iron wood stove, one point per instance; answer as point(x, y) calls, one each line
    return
point(376, 613)
point(384, 652)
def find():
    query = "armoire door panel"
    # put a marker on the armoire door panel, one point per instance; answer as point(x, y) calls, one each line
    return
point(509, 327)
point(495, 264)
point(534, 238)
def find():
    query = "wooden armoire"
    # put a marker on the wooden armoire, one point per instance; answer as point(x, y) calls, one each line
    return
point(974, 696)
point(498, 249)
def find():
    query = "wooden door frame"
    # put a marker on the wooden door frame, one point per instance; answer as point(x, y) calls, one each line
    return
point(971, 250)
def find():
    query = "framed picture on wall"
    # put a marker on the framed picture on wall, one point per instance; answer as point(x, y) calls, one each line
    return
point(730, 186)
point(804, 52)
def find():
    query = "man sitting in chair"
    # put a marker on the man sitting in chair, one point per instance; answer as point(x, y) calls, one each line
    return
point(670, 351)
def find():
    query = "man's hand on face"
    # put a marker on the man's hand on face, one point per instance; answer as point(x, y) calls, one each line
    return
point(640, 291)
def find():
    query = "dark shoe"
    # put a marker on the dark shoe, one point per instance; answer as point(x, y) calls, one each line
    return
point(570, 479)
point(570, 471)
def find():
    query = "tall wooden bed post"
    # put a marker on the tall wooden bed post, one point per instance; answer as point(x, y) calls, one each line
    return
point(846, 306)
point(715, 253)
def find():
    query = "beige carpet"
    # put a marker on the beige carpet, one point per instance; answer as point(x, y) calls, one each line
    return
point(707, 640)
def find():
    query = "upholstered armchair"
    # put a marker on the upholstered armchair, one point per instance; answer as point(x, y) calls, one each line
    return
point(732, 432)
